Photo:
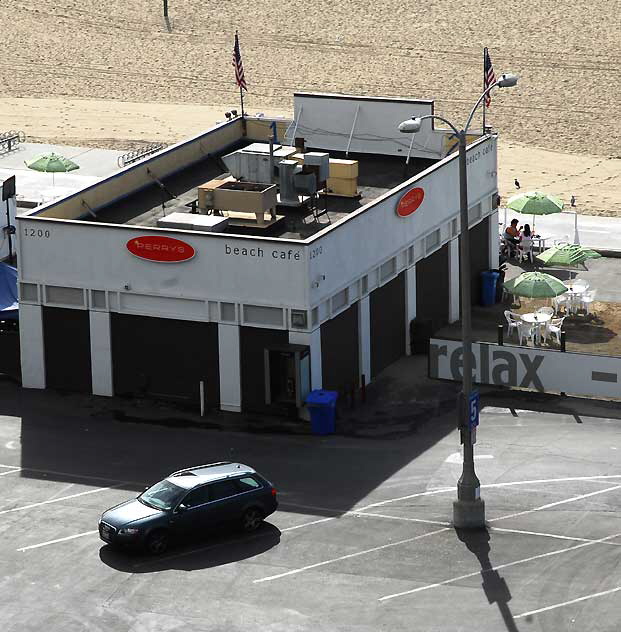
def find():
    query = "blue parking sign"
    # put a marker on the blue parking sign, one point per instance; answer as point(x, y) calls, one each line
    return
point(473, 409)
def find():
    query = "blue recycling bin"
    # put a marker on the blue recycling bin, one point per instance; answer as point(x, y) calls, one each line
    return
point(322, 407)
point(489, 278)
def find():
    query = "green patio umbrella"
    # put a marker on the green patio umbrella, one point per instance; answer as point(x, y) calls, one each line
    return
point(535, 285)
point(51, 163)
point(567, 255)
point(535, 203)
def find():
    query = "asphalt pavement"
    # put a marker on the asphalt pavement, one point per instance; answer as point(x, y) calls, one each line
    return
point(362, 539)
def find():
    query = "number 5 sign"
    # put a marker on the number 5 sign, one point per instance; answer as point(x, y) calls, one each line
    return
point(473, 408)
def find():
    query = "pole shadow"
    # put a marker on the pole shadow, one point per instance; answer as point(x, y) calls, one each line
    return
point(494, 586)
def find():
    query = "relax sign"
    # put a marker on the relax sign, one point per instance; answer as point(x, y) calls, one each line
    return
point(527, 367)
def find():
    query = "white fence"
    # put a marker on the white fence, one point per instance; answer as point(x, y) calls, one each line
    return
point(543, 370)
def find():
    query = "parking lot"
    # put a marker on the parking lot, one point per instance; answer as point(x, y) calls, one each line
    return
point(362, 539)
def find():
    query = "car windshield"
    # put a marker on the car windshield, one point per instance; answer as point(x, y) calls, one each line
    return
point(163, 495)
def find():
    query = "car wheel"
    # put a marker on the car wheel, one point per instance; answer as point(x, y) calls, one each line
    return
point(157, 542)
point(251, 519)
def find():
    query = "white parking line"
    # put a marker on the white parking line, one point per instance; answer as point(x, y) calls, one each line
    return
point(307, 524)
point(69, 537)
point(495, 568)
point(385, 516)
point(557, 503)
point(17, 469)
point(346, 557)
point(73, 475)
point(57, 500)
point(555, 536)
point(11, 466)
point(568, 603)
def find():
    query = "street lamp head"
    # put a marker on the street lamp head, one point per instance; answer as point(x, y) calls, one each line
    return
point(411, 126)
point(507, 81)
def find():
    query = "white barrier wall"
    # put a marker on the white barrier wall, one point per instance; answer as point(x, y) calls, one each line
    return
point(538, 369)
point(337, 122)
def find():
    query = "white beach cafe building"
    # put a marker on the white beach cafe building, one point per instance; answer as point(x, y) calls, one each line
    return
point(112, 304)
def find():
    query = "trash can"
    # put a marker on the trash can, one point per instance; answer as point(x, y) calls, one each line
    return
point(322, 407)
point(489, 278)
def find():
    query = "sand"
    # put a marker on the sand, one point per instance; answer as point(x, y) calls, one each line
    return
point(116, 74)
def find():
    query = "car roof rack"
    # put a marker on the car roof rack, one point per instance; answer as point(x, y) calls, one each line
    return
point(189, 471)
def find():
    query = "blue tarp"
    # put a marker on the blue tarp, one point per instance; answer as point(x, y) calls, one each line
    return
point(8, 292)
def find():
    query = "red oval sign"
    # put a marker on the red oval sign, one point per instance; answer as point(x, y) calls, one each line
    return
point(410, 202)
point(160, 249)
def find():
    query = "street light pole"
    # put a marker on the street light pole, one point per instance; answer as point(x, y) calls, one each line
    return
point(469, 508)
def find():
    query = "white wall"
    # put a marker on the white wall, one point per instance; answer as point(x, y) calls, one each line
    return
point(454, 285)
point(373, 234)
point(31, 346)
point(410, 305)
point(538, 369)
point(95, 256)
point(364, 337)
point(326, 121)
point(230, 368)
point(494, 246)
point(101, 353)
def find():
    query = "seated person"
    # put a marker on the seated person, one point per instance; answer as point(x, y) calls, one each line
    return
point(526, 238)
point(512, 232)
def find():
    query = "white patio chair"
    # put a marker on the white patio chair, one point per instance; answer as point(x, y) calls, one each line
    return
point(559, 302)
point(526, 331)
point(586, 300)
point(554, 327)
point(513, 320)
point(545, 310)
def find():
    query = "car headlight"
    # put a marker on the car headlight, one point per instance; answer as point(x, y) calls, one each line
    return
point(129, 531)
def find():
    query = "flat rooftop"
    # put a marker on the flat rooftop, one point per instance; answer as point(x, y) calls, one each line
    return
point(178, 193)
point(36, 187)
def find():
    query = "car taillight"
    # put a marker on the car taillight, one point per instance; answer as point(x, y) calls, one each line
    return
point(273, 492)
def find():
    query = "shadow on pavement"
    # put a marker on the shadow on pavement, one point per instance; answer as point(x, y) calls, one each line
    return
point(494, 586)
point(74, 439)
point(218, 550)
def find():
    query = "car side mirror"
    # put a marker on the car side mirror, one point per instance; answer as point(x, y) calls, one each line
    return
point(182, 508)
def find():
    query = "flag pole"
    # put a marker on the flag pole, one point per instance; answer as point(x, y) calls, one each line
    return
point(484, 88)
point(241, 98)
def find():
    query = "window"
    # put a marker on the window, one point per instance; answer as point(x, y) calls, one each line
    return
point(227, 310)
point(339, 300)
point(29, 292)
point(223, 489)
point(388, 269)
point(247, 484)
point(98, 299)
point(432, 241)
point(298, 319)
point(64, 295)
point(196, 497)
point(259, 315)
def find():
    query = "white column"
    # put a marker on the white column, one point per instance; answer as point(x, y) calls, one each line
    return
point(312, 340)
point(101, 353)
point(410, 305)
point(364, 337)
point(454, 280)
point(494, 247)
point(31, 345)
point(230, 368)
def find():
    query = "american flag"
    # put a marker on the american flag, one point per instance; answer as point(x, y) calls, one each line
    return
point(239, 67)
point(489, 76)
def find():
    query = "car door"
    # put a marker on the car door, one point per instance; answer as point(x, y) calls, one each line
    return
point(191, 515)
point(224, 505)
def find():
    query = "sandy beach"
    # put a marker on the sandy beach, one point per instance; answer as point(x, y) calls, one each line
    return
point(116, 74)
